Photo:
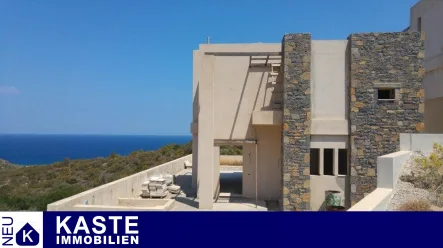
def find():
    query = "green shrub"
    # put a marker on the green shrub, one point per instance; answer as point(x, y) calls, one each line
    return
point(231, 150)
point(34, 187)
point(430, 174)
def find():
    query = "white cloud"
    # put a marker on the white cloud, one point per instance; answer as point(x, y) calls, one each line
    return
point(9, 90)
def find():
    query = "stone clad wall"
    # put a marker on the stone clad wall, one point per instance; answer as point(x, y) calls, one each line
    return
point(377, 60)
point(296, 121)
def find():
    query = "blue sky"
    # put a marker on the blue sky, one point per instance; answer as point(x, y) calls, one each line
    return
point(125, 67)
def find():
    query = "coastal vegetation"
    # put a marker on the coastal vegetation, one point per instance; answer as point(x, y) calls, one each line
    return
point(231, 150)
point(32, 188)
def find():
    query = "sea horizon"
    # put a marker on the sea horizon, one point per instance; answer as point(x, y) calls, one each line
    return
point(68, 134)
point(41, 149)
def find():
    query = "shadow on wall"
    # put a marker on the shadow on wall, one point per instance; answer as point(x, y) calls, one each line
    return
point(263, 70)
point(196, 105)
point(239, 104)
point(185, 183)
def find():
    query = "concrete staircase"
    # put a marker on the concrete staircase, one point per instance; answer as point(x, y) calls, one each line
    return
point(272, 114)
point(275, 82)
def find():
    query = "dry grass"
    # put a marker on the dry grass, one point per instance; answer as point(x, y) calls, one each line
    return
point(429, 174)
point(417, 205)
point(230, 161)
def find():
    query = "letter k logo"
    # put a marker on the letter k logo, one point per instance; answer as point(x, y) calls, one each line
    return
point(27, 236)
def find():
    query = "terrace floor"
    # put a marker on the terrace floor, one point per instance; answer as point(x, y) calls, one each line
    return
point(230, 193)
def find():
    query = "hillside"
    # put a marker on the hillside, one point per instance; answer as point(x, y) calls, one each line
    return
point(4, 165)
point(33, 187)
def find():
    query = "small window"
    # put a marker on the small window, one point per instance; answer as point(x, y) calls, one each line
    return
point(315, 161)
point(328, 163)
point(419, 24)
point(342, 161)
point(386, 94)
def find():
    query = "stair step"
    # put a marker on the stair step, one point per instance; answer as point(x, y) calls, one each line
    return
point(273, 73)
point(275, 64)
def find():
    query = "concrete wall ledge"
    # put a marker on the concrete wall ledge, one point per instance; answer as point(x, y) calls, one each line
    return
point(166, 204)
point(377, 200)
point(267, 117)
point(82, 207)
point(388, 170)
point(127, 187)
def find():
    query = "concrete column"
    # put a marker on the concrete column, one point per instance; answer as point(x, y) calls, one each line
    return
point(205, 169)
point(248, 183)
point(195, 110)
point(216, 170)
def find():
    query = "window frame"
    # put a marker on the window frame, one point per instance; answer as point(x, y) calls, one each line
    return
point(392, 94)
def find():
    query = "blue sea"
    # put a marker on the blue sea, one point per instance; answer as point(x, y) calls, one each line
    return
point(25, 149)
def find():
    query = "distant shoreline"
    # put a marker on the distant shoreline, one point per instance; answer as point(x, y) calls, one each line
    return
point(43, 149)
point(153, 135)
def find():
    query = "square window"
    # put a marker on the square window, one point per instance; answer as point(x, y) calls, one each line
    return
point(386, 94)
point(328, 163)
point(315, 161)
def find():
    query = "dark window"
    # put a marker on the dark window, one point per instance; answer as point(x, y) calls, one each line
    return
point(328, 163)
point(419, 24)
point(342, 161)
point(315, 161)
point(386, 94)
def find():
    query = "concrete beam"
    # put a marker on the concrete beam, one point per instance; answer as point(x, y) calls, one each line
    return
point(274, 117)
point(220, 142)
point(244, 53)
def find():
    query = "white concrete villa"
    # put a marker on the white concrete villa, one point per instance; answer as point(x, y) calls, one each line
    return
point(313, 117)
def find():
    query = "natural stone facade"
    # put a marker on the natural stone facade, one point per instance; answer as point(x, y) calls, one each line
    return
point(382, 60)
point(296, 121)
